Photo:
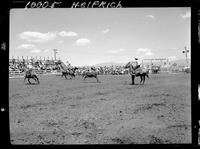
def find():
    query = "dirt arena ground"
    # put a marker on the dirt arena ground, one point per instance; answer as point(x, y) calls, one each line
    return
point(60, 111)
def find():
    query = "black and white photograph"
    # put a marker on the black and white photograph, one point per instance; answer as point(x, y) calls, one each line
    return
point(100, 76)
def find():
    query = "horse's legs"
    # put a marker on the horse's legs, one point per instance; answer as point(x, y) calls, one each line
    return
point(84, 77)
point(24, 79)
point(70, 76)
point(133, 78)
point(36, 79)
point(65, 76)
point(143, 79)
point(97, 79)
point(29, 81)
point(73, 76)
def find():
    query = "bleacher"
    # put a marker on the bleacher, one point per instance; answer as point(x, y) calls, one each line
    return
point(41, 67)
point(15, 73)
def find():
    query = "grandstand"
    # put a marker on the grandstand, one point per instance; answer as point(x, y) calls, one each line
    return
point(47, 66)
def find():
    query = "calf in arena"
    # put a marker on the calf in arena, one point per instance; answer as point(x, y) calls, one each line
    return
point(90, 75)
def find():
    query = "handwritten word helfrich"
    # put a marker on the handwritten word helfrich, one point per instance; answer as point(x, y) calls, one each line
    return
point(97, 4)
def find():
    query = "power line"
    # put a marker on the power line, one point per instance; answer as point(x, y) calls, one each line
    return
point(186, 51)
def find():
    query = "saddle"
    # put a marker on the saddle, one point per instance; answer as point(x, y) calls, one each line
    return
point(135, 70)
point(30, 72)
point(138, 70)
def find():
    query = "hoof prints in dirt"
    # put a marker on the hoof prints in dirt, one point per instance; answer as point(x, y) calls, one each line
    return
point(126, 140)
point(52, 102)
point(183, 126)
point(88, 130)
point(122, 141)
point(151, 139)
point(24, 107)
point(85, 124)
point(156, 140)
point(101, 93)
point(39, 138)
point(160, 95)
point(147, 107)
point(73, 112)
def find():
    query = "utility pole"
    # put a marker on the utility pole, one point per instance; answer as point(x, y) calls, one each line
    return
point(186, 51)
point(55, 52)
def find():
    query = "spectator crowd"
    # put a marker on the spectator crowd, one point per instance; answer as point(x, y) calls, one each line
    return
point(104, 70)
point(52, 65)
point(37, 64)
point(43, 66)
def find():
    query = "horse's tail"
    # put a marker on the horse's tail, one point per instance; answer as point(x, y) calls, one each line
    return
point(35, 76)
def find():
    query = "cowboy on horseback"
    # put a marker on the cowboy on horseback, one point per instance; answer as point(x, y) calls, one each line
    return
point(136, 70)
point(30, 73)
point(137, 63)
point(30, 69)
point(134, 66)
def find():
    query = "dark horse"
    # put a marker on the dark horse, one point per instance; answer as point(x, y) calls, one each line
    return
point(29, 74)
point(88, 74)
point(69, 72)
point(137, 71)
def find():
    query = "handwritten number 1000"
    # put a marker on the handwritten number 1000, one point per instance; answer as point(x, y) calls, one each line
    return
point(45, 4)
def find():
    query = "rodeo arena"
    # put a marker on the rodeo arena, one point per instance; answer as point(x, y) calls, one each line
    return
point(53, 102)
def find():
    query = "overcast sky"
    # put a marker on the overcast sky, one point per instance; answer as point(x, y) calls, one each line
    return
point(95, 35)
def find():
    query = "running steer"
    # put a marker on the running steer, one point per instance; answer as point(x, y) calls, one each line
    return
point(90, 75)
